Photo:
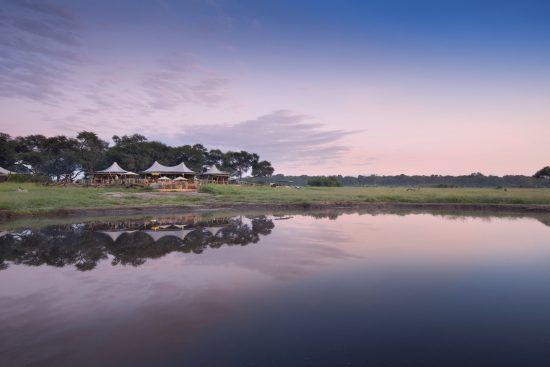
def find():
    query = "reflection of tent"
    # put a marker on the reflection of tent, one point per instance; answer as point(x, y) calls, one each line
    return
point(115, 234)
point(213, 230)
point(157, 235)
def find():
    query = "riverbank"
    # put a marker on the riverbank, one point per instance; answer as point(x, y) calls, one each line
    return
point(18, 200)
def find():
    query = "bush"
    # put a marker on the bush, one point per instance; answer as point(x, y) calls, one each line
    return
point(327, 181)
point(206, 189)
point(28, 178)
point(543, 173)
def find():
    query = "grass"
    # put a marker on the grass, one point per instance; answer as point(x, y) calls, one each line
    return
point(250, 194)
point(38, 198)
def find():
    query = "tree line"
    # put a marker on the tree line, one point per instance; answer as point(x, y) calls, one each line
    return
point(539, 179)
point(65, 158)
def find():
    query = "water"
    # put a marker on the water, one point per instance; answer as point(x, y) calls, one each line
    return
point(338, 289)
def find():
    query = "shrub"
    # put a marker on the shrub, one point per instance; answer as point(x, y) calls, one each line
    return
point(206, 189)
point(28, 178)
point(328, 181)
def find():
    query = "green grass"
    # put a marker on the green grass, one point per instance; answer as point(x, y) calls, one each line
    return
point(281, 195)
point(39, 198)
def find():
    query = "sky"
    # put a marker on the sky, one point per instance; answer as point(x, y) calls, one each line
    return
point(315, 87)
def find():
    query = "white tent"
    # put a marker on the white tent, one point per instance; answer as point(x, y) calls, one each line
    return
point(115, 169)
point(5, 172)
point(180, 178)
point(214, 171)
point(164, 178)
point(158, 168)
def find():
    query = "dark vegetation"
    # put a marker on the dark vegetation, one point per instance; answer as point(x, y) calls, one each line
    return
point(541, 179)
point(64, 158)
point(85, 246)
point(543, 173)
point(327, 181)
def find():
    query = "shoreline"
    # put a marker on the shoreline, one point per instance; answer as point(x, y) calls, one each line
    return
point(7, 215)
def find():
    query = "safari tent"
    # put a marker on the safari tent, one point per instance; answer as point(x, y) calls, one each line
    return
point(176, 177)
point(4, 173)
point(157, 170)
point(214, 175)
point(114, 174)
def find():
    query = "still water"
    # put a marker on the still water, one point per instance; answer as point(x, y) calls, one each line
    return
point(309, 289)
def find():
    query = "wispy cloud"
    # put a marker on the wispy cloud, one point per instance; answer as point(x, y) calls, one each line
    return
point(179, 80)
point(38, 49)
point(281, 136)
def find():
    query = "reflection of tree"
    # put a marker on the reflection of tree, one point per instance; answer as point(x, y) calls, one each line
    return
point(84, 248)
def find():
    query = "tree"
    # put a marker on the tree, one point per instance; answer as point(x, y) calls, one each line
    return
point(262, 169)
point(91, 150)
point(135, 153)
point(239, 162)
point(194, 156)
point(55, 157)
point(29, 153)
point(214, 157)
point(543, 173)
point(7, 151)
point(60, 159)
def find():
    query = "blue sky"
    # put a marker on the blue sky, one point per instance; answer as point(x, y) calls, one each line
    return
point(319, 87)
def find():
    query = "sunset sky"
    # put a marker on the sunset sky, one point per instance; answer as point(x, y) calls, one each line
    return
point(316, 87)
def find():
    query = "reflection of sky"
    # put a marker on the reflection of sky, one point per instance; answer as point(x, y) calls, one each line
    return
point(364, 86)
point(306, 272)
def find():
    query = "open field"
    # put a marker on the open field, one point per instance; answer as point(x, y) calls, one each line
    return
point(35, 198)
point(283, 195)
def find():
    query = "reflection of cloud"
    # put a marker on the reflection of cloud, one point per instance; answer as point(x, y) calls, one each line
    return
point(278, 136)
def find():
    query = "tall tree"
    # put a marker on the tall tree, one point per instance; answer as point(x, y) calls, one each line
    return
point(92, 150)
point(7, 151)
point(239, 163)
point(214, 157)
point(262, 169)
point(194, 156)
point(61, 159)
point(136, 153)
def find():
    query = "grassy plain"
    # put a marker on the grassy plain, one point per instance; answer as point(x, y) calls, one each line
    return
point(35, 198)
point(264, 195)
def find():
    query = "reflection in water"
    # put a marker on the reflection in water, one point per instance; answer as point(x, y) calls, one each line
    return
point(321, 289)
point(84, 245)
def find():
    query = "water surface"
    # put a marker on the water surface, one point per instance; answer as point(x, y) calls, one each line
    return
point(336, 289)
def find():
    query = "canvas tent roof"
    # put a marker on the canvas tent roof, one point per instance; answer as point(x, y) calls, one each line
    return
point(160, 168)
point(157, 235)
point(213, 170)
point(115, 234)
point(116, 169)
point(4, 171)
